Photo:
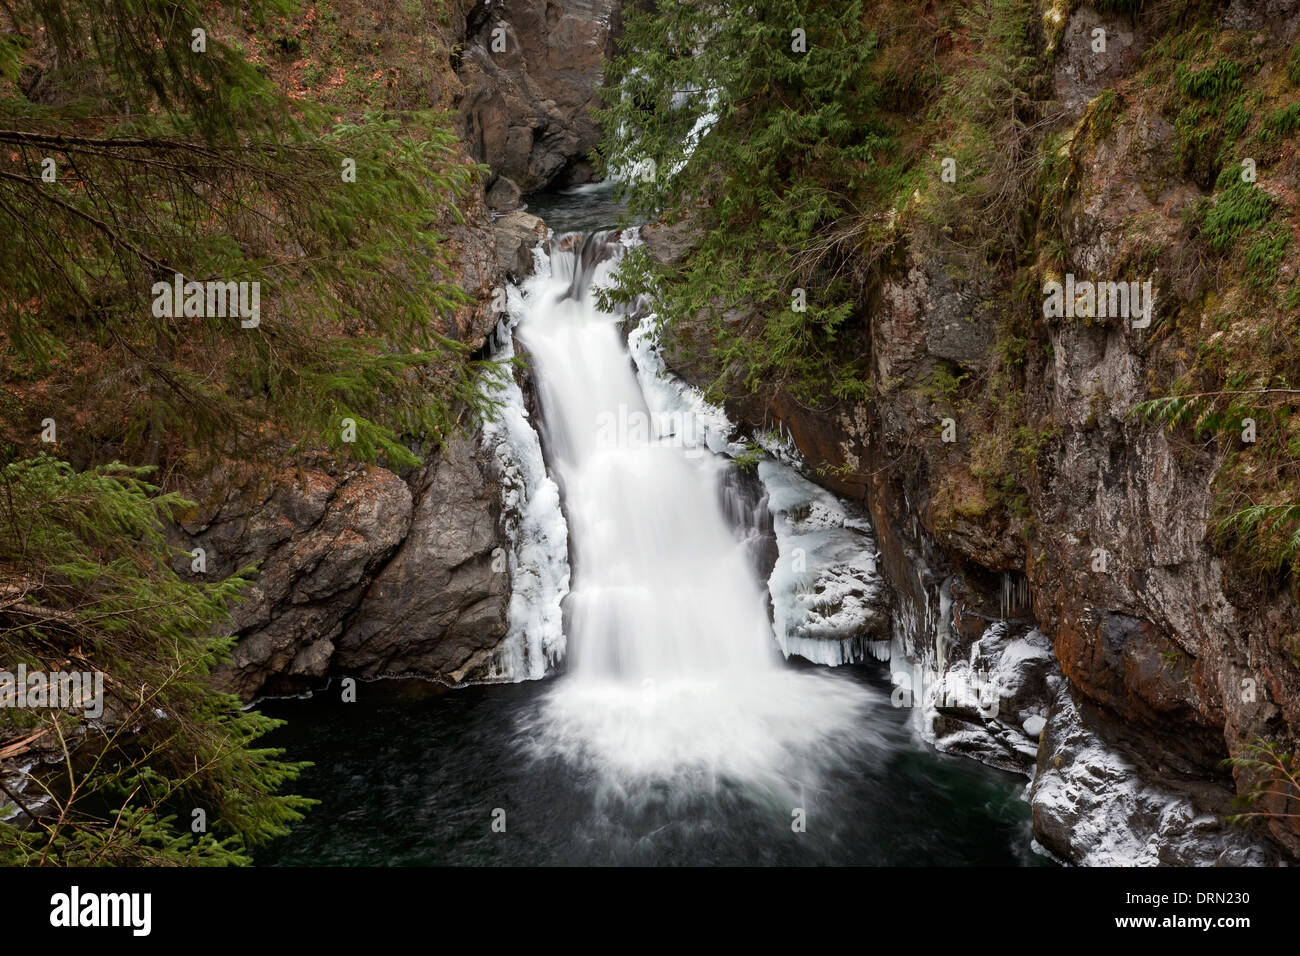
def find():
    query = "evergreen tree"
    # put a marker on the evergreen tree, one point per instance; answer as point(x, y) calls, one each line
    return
point(763, 125)
point(139, 142)
point(136, 149)
point(86, 586)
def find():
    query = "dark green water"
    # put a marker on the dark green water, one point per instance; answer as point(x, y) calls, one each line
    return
point(411, 773)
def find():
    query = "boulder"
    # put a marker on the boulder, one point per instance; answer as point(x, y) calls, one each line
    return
point(357, 574)
point(318, 538)
point(503, 195)
point(438, 608)
point(516, 235)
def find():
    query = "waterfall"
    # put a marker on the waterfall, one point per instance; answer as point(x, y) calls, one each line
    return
point(662, 590)
point(672, 664)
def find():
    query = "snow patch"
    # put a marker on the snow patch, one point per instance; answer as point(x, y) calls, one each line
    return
point(829, 602)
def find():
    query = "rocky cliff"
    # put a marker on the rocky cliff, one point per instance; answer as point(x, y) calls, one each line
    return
point(531, 71)
point(1009, 477)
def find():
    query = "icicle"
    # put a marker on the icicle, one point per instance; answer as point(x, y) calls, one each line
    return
point(537, 561)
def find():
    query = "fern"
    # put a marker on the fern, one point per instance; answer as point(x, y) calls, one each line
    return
point(1206, 413)
point(1210, 82)
point(1276, 784)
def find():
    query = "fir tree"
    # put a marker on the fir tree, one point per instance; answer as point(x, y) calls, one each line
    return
point(763, 126)
point(86, 585)
point(133, 149)
point(128, 158)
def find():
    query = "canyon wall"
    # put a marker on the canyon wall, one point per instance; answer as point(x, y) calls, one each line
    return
point(531, 71)
point(1079, 519)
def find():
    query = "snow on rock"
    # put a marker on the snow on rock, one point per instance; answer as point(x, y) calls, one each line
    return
point(538, 560)
point(1092, 805)
point(979, 706)
point(829, 602)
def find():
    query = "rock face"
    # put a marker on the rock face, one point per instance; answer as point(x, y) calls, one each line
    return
point(319, 538)
point(1081, 74)
point(438, 607)
point(531, 70)
point(517, 233)
point(359, 574)
point(1162, 636)
point(362, 572)
point(480, 272)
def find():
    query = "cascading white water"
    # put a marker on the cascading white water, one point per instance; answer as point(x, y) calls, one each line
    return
point(665, 594)
point(673, 667)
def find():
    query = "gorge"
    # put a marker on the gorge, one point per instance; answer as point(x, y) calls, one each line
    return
point(762, 452)
point(672, 733)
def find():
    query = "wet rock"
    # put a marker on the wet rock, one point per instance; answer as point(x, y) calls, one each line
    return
point(668, 243)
